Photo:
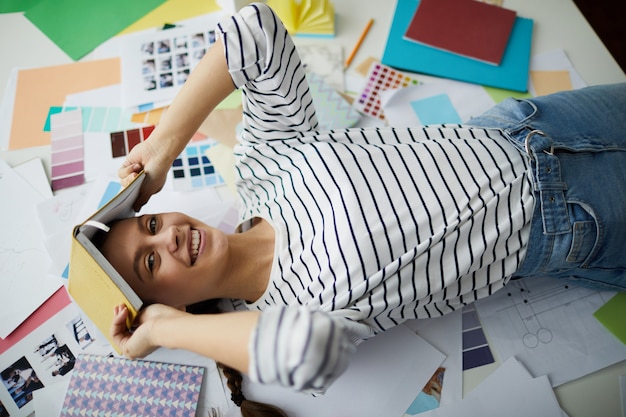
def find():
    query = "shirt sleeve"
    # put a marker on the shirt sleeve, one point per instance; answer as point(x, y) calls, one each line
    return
point(303, 349)
point(263, 61)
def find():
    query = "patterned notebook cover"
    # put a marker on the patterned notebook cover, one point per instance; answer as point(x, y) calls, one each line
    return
point(116, 387)
point(333, 111)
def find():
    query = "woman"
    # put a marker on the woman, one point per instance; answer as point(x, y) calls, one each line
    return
point(348, 233)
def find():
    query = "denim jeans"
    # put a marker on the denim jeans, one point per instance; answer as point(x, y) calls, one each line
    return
point(576, 144)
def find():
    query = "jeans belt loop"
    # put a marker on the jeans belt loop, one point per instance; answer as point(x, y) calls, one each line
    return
point(548, 184)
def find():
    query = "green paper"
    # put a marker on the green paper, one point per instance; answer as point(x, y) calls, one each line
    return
point(78, 26)
point(612, 314)
point(14, 6)
point(498, 94)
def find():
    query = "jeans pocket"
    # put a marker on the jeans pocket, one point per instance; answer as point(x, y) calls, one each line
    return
point(584, 238)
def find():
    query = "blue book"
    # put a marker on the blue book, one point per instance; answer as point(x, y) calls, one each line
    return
point(511, 74)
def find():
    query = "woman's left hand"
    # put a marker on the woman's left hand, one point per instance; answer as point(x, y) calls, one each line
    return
point(141, 341)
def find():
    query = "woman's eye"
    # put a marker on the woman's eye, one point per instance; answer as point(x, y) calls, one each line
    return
point(152, 224)
point(150, 262)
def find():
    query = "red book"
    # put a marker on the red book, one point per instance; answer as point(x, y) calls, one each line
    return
point(465, 27)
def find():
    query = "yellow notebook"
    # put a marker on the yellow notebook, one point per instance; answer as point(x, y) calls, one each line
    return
point(93, 282)
point(306, 17)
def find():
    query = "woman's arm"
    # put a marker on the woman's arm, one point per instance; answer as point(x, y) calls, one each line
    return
point(221, 337)
point(291, 346)
point(208, 84)
point(263, 61)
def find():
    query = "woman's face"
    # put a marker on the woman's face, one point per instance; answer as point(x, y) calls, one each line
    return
point(167, 258)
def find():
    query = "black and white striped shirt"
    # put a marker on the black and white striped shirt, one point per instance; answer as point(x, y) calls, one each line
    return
point(373, 226)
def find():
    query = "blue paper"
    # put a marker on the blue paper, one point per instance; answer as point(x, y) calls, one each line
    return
point(511, 74)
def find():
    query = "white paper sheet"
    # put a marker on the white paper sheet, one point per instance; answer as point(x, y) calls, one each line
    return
point(442, 96)
point(34, 173)
point(509, 391)
point(382, 380)
point(24, 261)
point(6, 110)
point(549, 327)
point(325, 60)
point(555, 60)
point(444, 333)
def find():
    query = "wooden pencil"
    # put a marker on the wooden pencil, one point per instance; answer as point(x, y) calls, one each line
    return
point(358, 43)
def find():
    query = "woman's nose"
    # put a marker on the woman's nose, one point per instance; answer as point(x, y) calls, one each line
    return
point(171, 239)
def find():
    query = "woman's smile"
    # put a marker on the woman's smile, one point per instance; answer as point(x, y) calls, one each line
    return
point(197, 240)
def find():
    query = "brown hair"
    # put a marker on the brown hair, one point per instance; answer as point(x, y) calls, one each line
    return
point(248, 408)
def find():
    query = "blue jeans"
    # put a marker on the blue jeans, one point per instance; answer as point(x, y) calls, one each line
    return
point(576, 143)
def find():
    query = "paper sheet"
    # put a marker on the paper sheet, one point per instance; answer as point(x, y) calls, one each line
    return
point(549, 327)
point(34, 173)
point(612, 314)
point(434, 102)
point(24, 262)
point(554, 60)
point(155, 64)
point(96, 22)
point(325, 60)
point(382, 380)
point(444, 333)
point(507, 392)
point(38, 89)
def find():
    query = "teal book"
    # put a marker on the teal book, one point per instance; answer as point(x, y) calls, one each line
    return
point(404, 54)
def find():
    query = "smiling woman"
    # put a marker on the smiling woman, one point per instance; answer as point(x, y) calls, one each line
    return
point(354, 231)
point(176, 260)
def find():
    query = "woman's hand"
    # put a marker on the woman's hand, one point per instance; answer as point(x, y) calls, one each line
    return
point(141, 341)
point(144, 157)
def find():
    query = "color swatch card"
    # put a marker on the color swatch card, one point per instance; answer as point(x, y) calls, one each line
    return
point(97, 118)
point(193, 169)
point(67, 149)
point(156, 64)
point(124, 141)
point(466, 27)
point(476, 350)
point(380, 78)
point(113, 386)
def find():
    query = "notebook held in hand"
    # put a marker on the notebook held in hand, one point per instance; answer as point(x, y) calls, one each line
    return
point(93, 282)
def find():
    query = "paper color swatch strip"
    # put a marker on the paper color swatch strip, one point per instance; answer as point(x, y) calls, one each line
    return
point(475, 349)
point(98, 118)
point(123, 142)
point(67, 150)
point(380, 78)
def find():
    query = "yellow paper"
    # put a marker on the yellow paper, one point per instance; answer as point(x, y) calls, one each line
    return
point(38, 89)
point(548, 82)
point(223, 159)
point(172, 11)
point(288, 11)
point(306, 17)
point(150, 117)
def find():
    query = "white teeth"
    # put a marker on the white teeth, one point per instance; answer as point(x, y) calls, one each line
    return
point(195, 244)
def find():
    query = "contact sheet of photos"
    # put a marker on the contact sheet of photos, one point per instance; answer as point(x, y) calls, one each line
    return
point(43, 358)
point(156, 64)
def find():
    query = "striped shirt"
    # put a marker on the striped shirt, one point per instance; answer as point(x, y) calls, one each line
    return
point(373, 226)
